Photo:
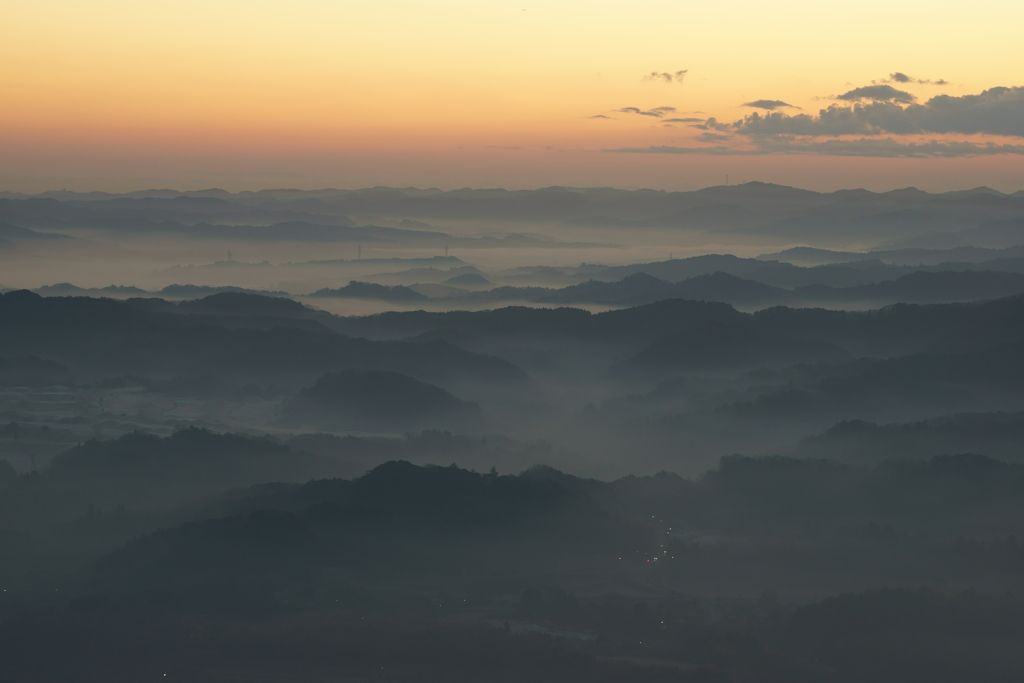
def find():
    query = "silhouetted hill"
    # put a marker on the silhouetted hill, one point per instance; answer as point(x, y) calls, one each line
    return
point(468, 280)
point(147, 478)
point(720, 286)
point(720, 348)
point(9, 232)
point(994, 434)
point(903, 328)
point(640, 322)
point(368, 290)
point(998, 234)
point(398, 521)
point(237, 303)
point(809, 256)
point(210, 216)
point(682, 269)
point(639, 288)
point(963, 283)
point(68, 289)
point(100, 338)
point(913, 385)
point(370, 400)
point(922, 287)
point(196, 291)
point(691, 332)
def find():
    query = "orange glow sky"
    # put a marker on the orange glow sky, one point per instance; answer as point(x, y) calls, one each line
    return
point(119, 95)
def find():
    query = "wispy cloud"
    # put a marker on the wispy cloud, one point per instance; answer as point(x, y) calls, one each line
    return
point(665, 76)
point(598, 116)
point(770, 105)
point(657, 112)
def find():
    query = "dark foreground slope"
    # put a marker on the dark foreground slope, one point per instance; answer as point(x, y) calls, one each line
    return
point(438, 573)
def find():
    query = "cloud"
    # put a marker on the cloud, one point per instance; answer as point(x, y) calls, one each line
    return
point(598, 116)
point(665, 76)
point(866, 122)
point(878, 93)
point(899, 77)
point(888, 148)
point(997, 111)
point(861, 119)
point(656, 113)
point(770, 105)
point(713, 124)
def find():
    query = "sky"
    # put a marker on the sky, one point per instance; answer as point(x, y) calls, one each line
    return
point(122, 95)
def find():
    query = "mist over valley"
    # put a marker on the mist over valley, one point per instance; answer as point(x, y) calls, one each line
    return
point(732, 434)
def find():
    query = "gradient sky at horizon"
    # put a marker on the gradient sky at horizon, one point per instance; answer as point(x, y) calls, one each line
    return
point(116, 95)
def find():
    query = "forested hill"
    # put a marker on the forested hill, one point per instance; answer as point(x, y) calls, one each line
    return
point(100, 338)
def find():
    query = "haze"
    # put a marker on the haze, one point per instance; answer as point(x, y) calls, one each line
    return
point(506, 342)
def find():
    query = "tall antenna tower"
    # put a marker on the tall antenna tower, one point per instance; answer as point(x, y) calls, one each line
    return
point(229, 255)
point(446, 251)
point(359, 252)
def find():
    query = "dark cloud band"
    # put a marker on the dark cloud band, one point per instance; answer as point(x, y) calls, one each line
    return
point(997, 111)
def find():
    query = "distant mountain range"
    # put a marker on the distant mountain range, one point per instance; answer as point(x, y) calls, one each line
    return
point(211, 218)
point(638, 288)
point(980, 217)
point(367, 290)
point(920, 287)
point(10, 232)
point(170, 291)
point(809, 256)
